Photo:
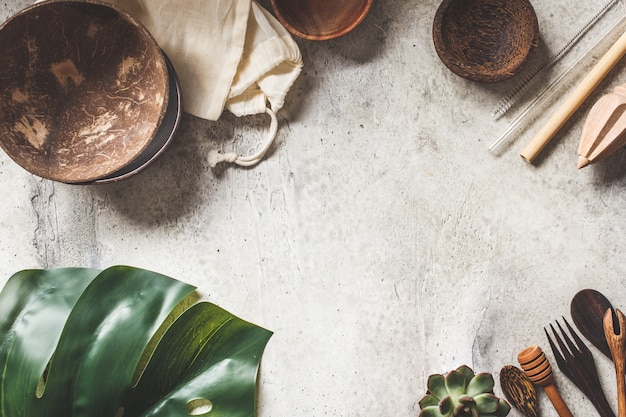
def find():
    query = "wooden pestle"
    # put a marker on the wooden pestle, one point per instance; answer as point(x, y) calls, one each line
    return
point(604, 127)
point(536, 366)
point(617, 344)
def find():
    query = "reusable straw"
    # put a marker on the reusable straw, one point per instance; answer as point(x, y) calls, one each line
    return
point(514, 95)
point(547, 96)
point(575, 99)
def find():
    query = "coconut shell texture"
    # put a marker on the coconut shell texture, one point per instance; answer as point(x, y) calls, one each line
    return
point(83, 90)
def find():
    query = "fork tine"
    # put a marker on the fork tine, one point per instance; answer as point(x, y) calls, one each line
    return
point(581, 345)
point(576, 362)
point(573, 349)
point(561, 360)
point(565, 350)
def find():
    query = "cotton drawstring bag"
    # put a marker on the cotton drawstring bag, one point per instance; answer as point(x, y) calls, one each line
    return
point(229, 54)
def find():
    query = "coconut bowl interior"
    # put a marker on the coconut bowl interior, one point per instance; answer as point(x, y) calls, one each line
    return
point(162, 138)
point(485, 40)
point(83, 92)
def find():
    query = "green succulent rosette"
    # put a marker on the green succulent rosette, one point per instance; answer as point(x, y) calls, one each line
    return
point(462, 393)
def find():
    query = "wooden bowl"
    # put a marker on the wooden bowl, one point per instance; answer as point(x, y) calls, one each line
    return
point(485, 40)
point(84, 90)
point(321, 20)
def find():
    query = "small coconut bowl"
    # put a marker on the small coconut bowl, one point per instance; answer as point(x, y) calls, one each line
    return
point(84, 91)
point(485, 40)
point(321, 20)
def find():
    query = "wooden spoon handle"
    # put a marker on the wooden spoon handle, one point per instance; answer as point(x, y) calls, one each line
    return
point(557, 401)
point(621, 390)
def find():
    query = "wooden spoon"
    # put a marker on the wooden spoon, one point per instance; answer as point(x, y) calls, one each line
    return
point(587, 309)
point(536, 366)
point(519, 390)
point(615, 331)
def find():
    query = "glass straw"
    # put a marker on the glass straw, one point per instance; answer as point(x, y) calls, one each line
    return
point(544, 98)
point(513, 96)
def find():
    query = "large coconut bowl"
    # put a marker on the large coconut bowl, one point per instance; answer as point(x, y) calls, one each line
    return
point(84, 89)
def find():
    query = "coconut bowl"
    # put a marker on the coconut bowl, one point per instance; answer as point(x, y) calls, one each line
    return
point(84, 91)
point(321, 19)
point(485, 40)
point(162, 138)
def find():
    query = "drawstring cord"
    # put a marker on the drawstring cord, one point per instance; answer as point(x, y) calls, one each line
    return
point(216, 157)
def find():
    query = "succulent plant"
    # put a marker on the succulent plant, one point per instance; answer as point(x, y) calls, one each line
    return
point(462, 393)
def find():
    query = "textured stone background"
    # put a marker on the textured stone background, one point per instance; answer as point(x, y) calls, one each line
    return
point(380, 240)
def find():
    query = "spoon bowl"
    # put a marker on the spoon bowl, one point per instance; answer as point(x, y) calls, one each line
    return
point(587, 309)
point(519, 390)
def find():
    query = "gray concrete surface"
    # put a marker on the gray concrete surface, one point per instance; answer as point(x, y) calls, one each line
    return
point(380, 240)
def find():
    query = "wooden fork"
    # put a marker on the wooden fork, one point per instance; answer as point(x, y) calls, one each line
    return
point(615, 333)
point(576, 362)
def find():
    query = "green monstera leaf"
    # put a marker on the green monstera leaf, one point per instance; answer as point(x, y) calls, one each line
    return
point(123, 342)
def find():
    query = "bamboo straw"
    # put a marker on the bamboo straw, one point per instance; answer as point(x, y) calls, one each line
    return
point(575, 99)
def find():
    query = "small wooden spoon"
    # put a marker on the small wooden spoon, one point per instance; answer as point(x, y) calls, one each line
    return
point(519, 390)
point(587, 309)
point(615, 331)
point(536, 366)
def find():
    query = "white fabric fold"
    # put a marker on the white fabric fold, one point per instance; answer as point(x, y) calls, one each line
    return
point(270, 64)
point(229, 54)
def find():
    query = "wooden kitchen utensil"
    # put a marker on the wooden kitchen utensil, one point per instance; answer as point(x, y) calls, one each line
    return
point(321, 20)
point(575, 99)
point(519, 390)
point(615, 331)
point(536, 366)
point(587, 309)
point(604, 127)
point(576, 362)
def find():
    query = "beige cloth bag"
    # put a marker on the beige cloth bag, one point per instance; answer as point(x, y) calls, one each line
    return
point(229, 54)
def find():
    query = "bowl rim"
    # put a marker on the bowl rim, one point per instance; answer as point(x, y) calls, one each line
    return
point(460, 69)
point(61, 177)
point(322, 37)
point(167, 130)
